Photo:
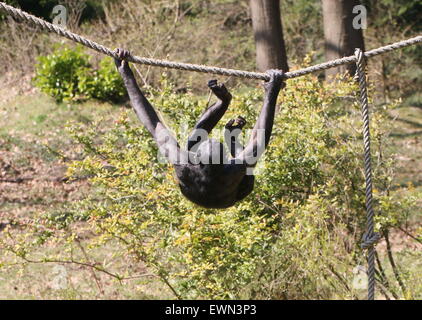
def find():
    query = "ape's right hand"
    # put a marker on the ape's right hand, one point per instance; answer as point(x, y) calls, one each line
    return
point(121, 64)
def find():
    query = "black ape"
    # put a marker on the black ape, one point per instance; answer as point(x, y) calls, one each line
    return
point(206, 175)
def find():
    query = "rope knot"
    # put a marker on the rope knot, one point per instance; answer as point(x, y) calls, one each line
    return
point(369, 240)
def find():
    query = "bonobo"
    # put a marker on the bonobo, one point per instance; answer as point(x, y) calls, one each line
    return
point(205, 173)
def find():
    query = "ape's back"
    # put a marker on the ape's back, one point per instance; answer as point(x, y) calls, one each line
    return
point(214, 186)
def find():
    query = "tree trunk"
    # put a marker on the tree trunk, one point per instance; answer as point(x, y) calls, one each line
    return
point(268, 33)
point(341, 38)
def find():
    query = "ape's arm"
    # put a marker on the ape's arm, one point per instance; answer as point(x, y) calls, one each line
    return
point(261, 132)
point(145, 112)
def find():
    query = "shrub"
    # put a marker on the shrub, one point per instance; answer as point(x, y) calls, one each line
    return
point(67, 75)
point(59, 73)
point(108, 83)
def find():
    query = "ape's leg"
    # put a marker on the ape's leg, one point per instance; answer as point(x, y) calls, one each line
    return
point(212, 115)
point(167, 144)
point(261, 132)
point(231, 135)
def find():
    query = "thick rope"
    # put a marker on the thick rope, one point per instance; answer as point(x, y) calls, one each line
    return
point(370, 237)
point(19, 14)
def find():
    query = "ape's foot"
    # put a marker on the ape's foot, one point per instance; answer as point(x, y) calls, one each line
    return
point(219, 90)
point(121, 64)
point(237, 123)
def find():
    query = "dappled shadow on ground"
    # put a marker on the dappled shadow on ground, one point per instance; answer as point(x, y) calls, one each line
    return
point(407, 121)
point(406, 144)
point(406, 135)
point(29, 184)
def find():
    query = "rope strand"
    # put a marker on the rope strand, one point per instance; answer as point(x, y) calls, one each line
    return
point(370, 237)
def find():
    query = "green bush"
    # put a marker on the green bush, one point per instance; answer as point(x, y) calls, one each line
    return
point(59, 73)
point(296, 236)
point(110, 85)
point(67, 75)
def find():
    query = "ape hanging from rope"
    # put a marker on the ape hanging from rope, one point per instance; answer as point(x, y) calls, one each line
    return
point(188, 162)
point(205, 173)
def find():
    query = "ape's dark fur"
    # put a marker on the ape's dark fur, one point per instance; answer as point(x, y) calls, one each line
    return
point(211, 180)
